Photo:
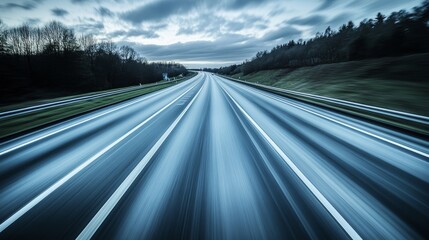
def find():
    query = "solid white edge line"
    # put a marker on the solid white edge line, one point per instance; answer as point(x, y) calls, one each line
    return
point(328, 206)
point(105, 210)
point(76, 170)
point(81, 122)
point(351, 127)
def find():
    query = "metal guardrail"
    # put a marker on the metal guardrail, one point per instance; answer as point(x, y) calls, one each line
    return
point(407, 121)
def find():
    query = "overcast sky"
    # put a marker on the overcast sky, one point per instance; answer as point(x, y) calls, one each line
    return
point(198, 33)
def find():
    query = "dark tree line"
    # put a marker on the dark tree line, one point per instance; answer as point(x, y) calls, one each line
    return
point(53, 58)
point(401, 33)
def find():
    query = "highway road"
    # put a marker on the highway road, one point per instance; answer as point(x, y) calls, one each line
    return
point(214, 159)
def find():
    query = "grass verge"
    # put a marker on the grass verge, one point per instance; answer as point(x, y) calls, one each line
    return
point(397, 83)
point(420, 129)
point(35, 102)
point(16, 125)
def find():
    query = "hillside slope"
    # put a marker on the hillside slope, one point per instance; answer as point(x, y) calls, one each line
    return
point(400, 83)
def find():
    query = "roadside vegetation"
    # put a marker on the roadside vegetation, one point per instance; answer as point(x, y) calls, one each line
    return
point(51, 61)
point(17, 125)
point(399, 83)
point(380, 62)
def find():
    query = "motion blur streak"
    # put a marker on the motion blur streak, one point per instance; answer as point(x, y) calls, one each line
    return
point(92, 227)
point(28, 141)
point(215, 175)
point(75, 171)
point(352, 233)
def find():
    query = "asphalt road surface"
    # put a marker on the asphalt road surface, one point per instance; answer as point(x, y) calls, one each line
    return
point(213, 159)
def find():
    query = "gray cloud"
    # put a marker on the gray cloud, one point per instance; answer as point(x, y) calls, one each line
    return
point(163, 9)
point(33, 21)
point(207, 26)
point(28, 5)
point(213, 25)
point(235, 26)
point(326, 4)
point(134, 33)
point(238, 4)
point(308, 21)
point(156, 11)
point(104, 12)
point(158, 26)
point(24, 6)
point(277, 11)
point(379, 5)
point(283, 33)
point(59, 12)
point(89, 26)
point(80, 1)
point(340, 19)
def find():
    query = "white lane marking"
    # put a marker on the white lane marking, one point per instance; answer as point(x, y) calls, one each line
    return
point(340, 219)
point(81, 122)
point(349, 126)
point(105, 210)
point(67, 177)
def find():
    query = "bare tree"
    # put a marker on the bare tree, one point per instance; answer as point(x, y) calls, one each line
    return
point(37, 40)
point(87, 43)
point(128, 54)
point(107, 47)
point(22, 40)
point(25, 35)
point(14, 41)
point(53, 35)
point(3, 38)
point(68, 41)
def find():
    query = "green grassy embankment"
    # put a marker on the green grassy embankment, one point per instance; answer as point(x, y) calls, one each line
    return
point(15, 125)
point(398, 83)
point(34, 102)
